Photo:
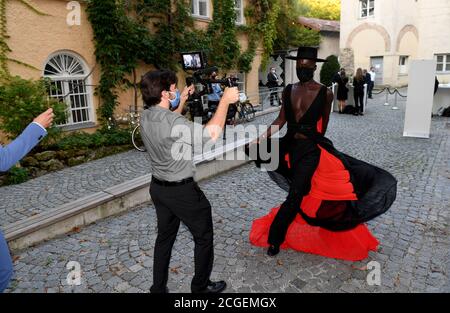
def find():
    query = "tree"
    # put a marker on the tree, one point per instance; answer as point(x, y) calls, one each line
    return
point(329, 69)
point(323, 9)
point(289, 32)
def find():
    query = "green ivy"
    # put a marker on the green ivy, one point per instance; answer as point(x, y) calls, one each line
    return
point(119, 43)
point(123, 38)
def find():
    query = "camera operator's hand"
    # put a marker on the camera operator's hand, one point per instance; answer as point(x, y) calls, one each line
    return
point(217, 123)
point(45, 119)
point(231, 95)
point(184, 96)
point(187, 91)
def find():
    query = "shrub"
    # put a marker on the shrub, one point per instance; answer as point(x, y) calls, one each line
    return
point(329, 69)
point(22, 100)
point(16, 175)
point(82, 140)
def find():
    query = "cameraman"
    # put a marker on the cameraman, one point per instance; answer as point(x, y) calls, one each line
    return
point(214, 97)
point(175, 194)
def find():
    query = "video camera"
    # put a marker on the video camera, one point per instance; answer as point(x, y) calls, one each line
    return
point(197, 62)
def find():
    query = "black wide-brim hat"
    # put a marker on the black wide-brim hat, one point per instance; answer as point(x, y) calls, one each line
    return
point(307, 53)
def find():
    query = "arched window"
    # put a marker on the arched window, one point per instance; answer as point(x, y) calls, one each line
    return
point(68, 75)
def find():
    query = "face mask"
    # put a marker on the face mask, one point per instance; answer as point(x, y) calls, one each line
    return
point(175, 102)
point(305, 74)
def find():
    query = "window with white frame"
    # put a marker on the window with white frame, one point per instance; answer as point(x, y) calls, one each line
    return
point(68, 76)
point(200, 8)
point(366, 8)
point(239, 8)
point(443, 62)
point(241, 81)
point(403, 64)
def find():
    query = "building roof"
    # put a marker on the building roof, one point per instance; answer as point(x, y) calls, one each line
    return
point(320, 25)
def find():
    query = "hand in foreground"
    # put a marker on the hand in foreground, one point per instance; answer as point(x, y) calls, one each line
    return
point(187, 91)
point(45, 119)
point(231, 95)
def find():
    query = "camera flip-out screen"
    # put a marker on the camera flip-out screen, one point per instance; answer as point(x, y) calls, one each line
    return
point(193, 61)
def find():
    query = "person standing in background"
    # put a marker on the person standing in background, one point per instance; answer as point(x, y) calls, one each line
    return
point(272, 84)
point(10, 155)
point(373, 76)
point(342, 92)
point(358, 91)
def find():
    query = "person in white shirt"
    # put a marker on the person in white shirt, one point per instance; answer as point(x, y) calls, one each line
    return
point(371, 84)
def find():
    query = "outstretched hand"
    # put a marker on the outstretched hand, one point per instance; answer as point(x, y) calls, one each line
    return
point(45, 119)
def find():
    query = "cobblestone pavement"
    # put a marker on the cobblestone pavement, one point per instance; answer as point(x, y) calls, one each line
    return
point(52, 190)
point(115, 254)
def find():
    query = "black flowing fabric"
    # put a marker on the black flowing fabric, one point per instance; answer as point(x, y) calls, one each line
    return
point(374, 187)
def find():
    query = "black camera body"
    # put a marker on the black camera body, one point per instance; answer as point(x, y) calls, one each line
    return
point(203, 85)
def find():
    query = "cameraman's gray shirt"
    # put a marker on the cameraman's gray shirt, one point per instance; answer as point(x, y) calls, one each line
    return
point(170, 140)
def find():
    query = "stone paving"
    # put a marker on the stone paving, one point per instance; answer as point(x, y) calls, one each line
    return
point(115, 254)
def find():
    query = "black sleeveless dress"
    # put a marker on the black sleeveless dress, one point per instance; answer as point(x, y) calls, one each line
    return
point(329, 192)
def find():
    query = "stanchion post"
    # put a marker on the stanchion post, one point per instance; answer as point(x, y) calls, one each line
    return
point(395, 101)
point(387, 97)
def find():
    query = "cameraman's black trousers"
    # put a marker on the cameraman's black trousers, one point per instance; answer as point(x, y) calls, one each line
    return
point(186, 203)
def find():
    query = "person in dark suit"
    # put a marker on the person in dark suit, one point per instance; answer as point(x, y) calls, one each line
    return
point(436, 84)
point(371, 82)
point(358, 91)
point(367, 77)
point(10, 155)
point(342, 92)
point(272, 84)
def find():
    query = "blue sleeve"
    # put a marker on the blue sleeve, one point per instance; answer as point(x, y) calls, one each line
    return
point(16, 150)
point(217, 89)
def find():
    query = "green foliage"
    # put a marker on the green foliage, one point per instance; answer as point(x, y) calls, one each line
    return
point(329, 69)
point(22, 100)
point(290, 32)
point(224, 49)
point(323, 9)
point(82, 140)
point(155, 32)
point(119, 44)
point(16, 175)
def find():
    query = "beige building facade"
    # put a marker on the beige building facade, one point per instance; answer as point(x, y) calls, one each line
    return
point(329, 38)
point(390, 34)
point(50, 46)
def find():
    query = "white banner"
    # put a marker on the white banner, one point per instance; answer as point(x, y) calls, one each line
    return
point(420, 98)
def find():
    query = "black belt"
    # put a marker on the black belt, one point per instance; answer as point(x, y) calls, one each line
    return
point(172, 183)
point(300, 127)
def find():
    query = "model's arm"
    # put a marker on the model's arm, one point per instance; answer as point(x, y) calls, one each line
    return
point(326, 111)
